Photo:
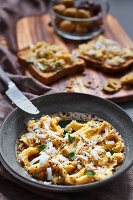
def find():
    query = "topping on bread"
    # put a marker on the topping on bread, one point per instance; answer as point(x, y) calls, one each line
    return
point(106, 54)
point(49, 62)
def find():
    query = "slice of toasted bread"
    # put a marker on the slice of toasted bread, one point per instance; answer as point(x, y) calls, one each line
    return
point(50, 77)
point(106, 67)
point(102, 43)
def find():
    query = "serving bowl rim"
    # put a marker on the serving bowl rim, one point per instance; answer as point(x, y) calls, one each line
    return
point(64, 188)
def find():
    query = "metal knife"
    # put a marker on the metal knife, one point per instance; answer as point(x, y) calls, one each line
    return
point(16, 95)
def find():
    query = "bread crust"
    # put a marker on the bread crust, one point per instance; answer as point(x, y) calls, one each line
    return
point(106, 67)
point(50, 77)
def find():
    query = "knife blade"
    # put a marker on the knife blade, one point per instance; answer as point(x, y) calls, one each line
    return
point(17, 96)
point(20, 100)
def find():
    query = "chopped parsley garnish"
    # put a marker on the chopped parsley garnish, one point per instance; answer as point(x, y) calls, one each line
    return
point(71, 138)
point(71, 156)
point(42, 147)
point(110, 150)
point(90, 173)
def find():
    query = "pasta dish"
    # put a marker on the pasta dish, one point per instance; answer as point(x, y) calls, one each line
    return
point(78, 153)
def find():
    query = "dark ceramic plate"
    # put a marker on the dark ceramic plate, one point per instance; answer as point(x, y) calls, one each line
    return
point(64, 102)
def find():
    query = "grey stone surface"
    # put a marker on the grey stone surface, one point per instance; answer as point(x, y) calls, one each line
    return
point(128, 107)
point(123, 11)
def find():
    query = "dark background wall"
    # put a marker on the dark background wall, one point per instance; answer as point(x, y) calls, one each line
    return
point(123, 10)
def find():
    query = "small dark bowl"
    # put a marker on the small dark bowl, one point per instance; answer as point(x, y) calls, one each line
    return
point(64, 102)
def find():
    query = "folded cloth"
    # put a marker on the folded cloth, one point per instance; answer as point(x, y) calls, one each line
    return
point(12, 10)
point(29, 86)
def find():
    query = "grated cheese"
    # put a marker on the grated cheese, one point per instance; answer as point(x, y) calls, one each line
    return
point(108, 154)
point(50, 151)
point(79, 166)
point(98, 149)
point(106, 132)
point(30, 135)
point(53, 134)
point(43, 158)
point(66, 137)
point(35, 160)
point(91, 166)
point(49, 174)
point(35, 127)
point(62, 158)
point(40, 135)
point(49, 144)
point(95, 154)
point(82, 157)
point(54, 160)
point(109, 142)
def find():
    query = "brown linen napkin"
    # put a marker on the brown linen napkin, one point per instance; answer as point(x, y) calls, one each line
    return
point(11, 11)
point(29, 86)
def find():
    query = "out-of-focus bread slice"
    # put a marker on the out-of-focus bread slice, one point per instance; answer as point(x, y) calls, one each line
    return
point(106, 67)
point(102, 65)
point(50, 77)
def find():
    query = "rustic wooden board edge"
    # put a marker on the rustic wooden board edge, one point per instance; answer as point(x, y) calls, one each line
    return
point(122, 38)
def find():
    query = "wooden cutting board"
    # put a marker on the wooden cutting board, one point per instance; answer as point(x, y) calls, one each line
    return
point(32, 29)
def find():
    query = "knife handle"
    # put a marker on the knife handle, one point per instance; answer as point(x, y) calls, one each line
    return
point(5, 78)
